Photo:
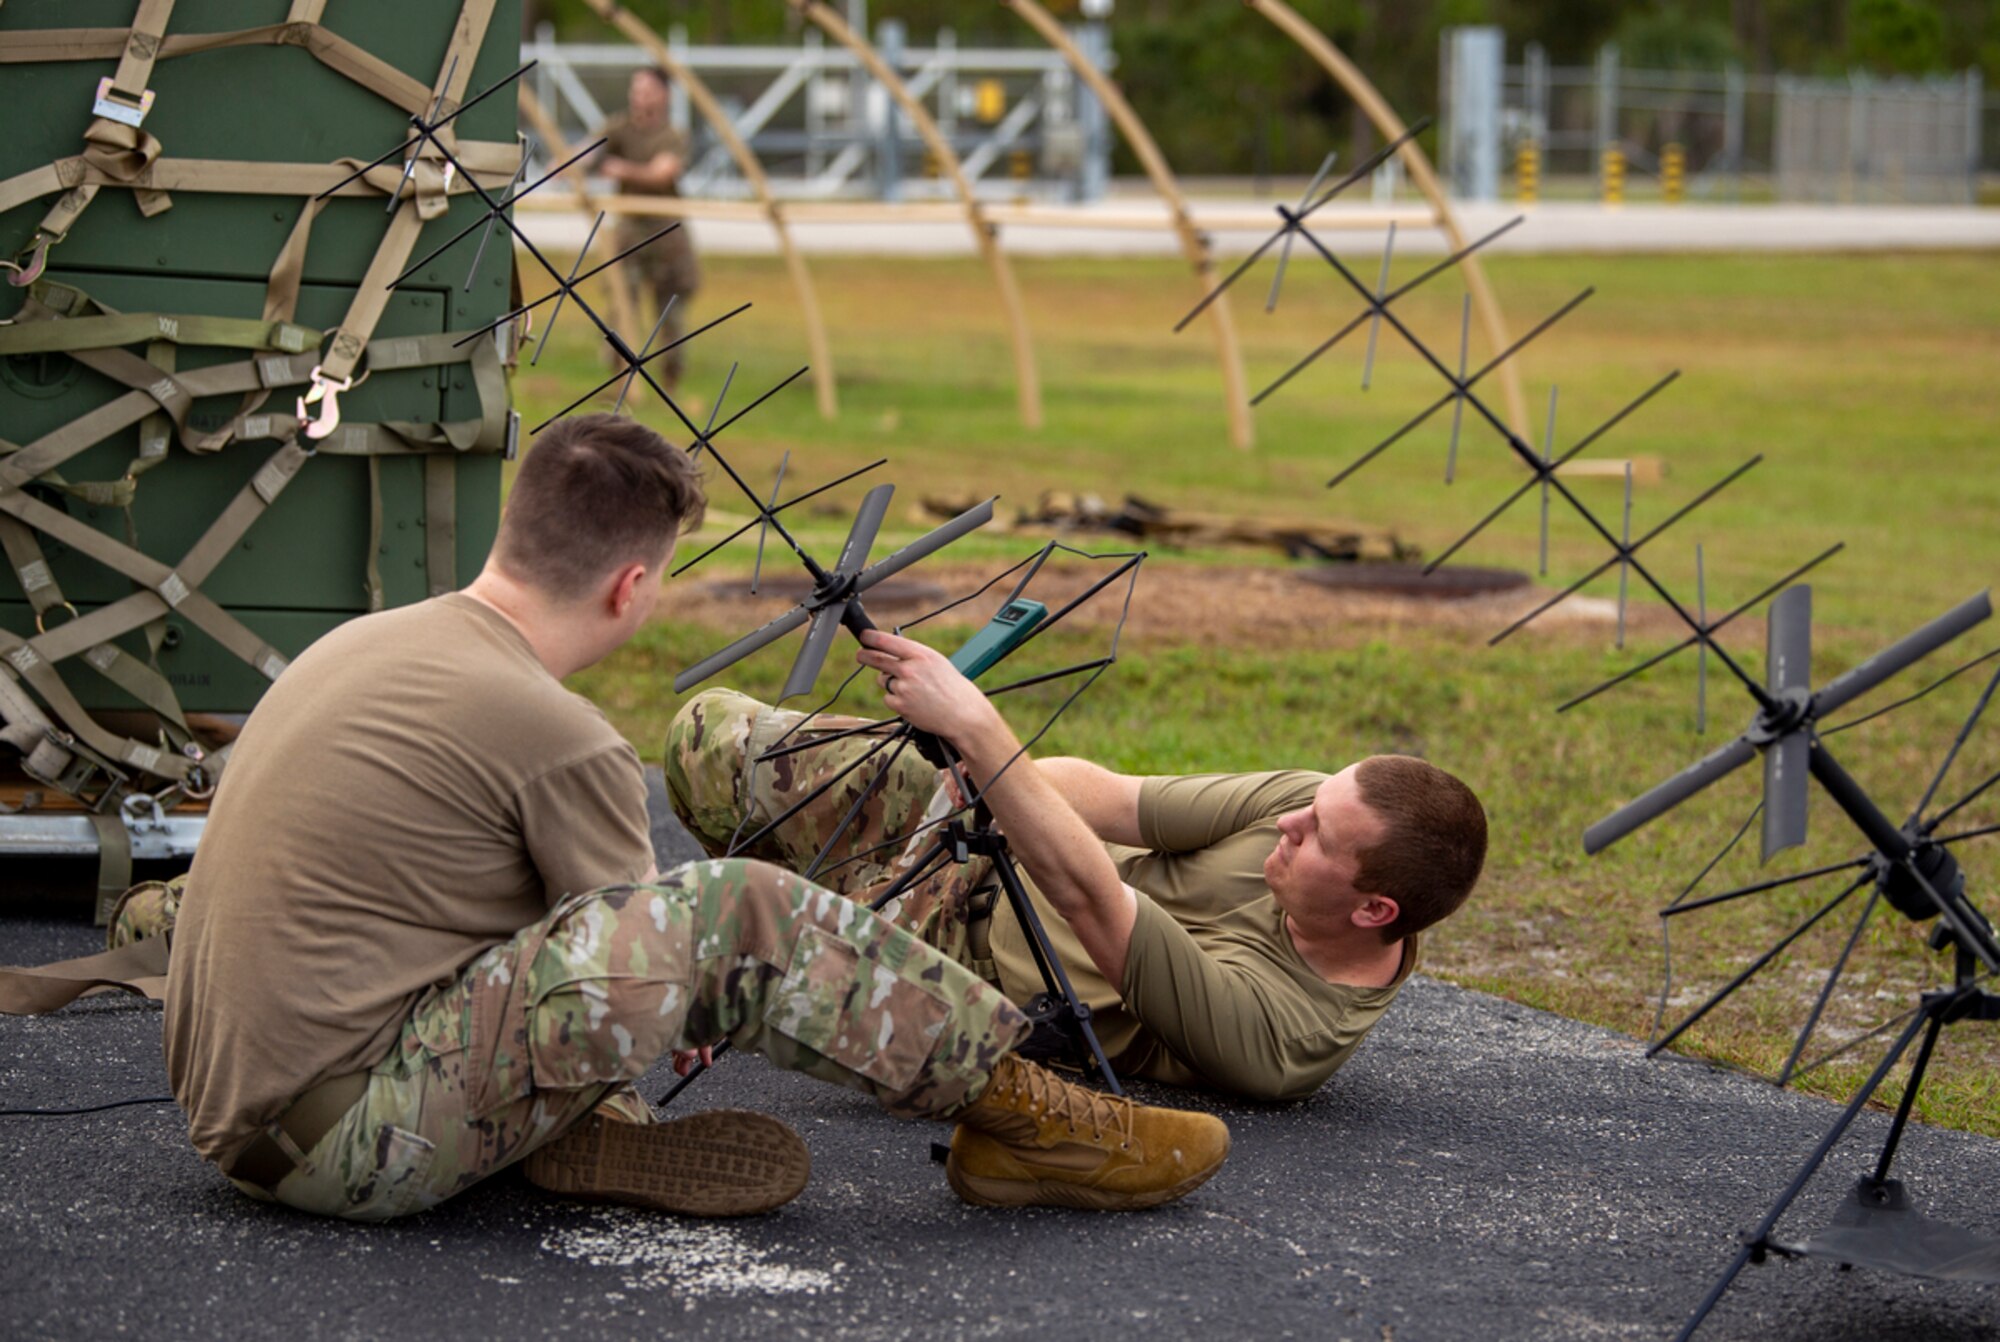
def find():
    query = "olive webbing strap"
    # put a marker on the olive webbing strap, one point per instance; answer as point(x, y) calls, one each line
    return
point(427, 201)
point(440, 522)
point(355, 63)
point(121, 151)
point(23, 466)
point(168, 588)
point(28, 335)
point(114, 859)
point(40, 675)
point(143, 682)
point(31, 567)
point(372, 573)
point(155, 431)
point(492, 161)
point(137, 966)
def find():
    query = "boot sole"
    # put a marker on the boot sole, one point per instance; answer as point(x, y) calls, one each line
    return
point(722, 1162)
point(985, 1192)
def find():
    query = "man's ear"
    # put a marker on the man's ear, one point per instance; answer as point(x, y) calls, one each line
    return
point(1377, 911)
point(625, 587)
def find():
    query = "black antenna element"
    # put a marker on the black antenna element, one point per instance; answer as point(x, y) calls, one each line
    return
point(837, 598)
point(1783, 730)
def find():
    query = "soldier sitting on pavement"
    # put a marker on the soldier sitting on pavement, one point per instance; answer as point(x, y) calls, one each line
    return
point(423, 938)
point(1239, 932)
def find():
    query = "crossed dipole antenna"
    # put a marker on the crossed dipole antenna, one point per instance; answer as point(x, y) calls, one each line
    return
point(1787, 709)
point(1906, 866)
point(1378, 307)
point(568, 290)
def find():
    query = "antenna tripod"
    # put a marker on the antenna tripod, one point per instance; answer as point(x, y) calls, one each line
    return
point(1913, 871)
point(1057, 1008)
point(1876, 1226)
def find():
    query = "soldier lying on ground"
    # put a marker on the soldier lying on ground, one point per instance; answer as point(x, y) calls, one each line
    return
point(423, 938)
point(1241, 932)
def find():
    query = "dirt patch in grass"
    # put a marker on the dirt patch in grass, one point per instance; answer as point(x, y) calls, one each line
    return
point(1261, 607)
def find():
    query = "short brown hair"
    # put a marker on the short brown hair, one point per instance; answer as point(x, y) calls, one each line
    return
point(593, 493)
point(1433, 845)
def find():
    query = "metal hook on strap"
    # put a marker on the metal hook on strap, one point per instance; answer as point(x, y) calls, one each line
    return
point(325, 393)
point(22, 273)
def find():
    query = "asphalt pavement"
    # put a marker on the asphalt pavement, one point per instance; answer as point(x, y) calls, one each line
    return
point(1479, 1171)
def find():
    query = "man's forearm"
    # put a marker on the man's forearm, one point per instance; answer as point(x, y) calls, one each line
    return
point(1046, 834)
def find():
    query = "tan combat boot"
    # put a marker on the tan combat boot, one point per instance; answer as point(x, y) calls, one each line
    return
point(723, 1162)
point(1033, 1139)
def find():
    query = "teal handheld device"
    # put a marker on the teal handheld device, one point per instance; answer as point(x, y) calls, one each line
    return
point(1002, 634)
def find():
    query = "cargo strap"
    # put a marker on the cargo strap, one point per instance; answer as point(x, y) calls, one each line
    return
point(116, 148)
point(114, 860)
point(136, 967)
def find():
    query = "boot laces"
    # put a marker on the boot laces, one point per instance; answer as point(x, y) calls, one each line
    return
point(1078, 1106)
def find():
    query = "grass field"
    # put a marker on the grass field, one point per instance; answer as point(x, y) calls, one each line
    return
point(1867, 383)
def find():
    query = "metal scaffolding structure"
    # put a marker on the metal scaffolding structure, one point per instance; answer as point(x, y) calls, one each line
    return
point(866, 110)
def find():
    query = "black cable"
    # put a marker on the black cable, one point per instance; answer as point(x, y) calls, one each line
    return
point(87, 1109)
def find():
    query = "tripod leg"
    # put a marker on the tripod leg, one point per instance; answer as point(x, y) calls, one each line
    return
point(1755, 1245)
point(1053, 975)
point(1909, 1097)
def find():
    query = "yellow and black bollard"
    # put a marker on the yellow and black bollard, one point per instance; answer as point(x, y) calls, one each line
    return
point(989, 101)
point(1611, 175)
point(1673, 173)
point(1528, 172)
point(1020, 165)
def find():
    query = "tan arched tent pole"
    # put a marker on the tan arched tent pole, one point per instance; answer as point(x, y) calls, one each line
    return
point(705, 102)
point(1194, 245)
point(623, 315)
point(1316, 44)
point(1027, 382)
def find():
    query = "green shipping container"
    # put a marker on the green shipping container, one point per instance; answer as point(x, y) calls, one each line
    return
point(303, 567)
point(273, 103)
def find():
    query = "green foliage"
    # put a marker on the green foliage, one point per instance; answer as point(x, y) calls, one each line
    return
point(1672, 36)
point(1895, 37)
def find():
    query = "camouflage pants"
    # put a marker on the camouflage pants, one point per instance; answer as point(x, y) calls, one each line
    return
point(561, 1019)
point(726, 797)
point(663, 271)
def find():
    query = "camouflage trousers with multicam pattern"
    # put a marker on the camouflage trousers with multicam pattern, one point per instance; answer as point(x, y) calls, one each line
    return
point(564, 1017)
point(728, 795)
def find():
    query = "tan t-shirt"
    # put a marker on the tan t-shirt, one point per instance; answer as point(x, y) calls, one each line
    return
point(415, 789)
point(1215, 993)
point(624, 138)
